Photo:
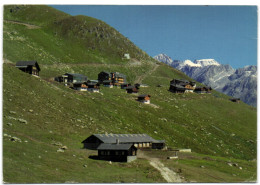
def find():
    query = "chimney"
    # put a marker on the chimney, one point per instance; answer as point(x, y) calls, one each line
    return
point(117, 141)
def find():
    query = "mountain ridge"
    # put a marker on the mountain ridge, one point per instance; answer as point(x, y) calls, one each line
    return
point(221, 77)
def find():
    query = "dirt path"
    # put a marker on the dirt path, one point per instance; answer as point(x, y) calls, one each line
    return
point(142, 77)
point(167, 174)
point(29, 26)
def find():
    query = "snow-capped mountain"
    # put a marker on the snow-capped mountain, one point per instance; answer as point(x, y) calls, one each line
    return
point(240, 83)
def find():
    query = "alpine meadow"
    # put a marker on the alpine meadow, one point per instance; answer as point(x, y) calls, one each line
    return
point(41, 115)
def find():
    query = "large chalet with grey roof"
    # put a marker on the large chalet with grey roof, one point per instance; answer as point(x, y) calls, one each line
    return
point(138, 140)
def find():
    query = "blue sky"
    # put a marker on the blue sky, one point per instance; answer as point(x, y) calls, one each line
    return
point(226, 33)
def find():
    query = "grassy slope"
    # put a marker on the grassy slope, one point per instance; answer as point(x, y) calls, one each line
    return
point(208, 124)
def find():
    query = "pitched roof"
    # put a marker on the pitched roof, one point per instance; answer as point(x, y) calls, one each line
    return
point(105, 146)
point(27, 63)
point(75, 74)
point(119, 75)
point(124, 138)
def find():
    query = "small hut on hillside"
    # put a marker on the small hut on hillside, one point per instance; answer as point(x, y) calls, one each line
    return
point(202, 90)
point(93, 86)
point(236, 100)
point(108, 83)
point(131, 89)
point(31, 67)
point(144, 98)
point(80, 86)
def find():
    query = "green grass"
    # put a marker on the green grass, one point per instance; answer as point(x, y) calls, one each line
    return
point(196, 167)
point(208, 124)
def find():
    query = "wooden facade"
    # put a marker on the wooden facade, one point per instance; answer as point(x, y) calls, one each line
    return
point(131, 89)
point(117, 152)
point(30, 67)
point(236, 100)
point(74, 78)
point(203, 90)
point(182, 86)
point(108, 83)
point(93, 86)
point(144, 98)
point(116, 78)
point(80, 86)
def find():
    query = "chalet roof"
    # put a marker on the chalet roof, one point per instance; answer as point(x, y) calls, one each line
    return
point(105, 72)
point(144, 95)
point(123, 138)
point(21, 64)
point(106, 146)
point(178, 87)
point(119, 75)
point(75, 74)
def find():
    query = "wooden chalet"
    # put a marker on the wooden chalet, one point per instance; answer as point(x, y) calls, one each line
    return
point(93, 86)
point(80, 86)
point(116, 78)
point(108, 83)
point(131, 89)
point(104, 75)
point(138, 140)
point(74, 77)
point(203, 90)
point(117, 152)
point(181, 86)
point(144, 98)
point(177, 89)
point(31, 67)
point(236, 100)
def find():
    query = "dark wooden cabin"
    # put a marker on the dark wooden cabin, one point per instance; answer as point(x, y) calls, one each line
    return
point(177, 89)
point(144, 98)
point(116, 77)
point(80, 86)
point(203, 90)
point(117, 152)
point(104, 75)
point(181, 86)
point(108, 83)
point(30, 67)
point(236, 100)
point(138, 140)
point(131, 89)
point(74, 77)
point(93, 86)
